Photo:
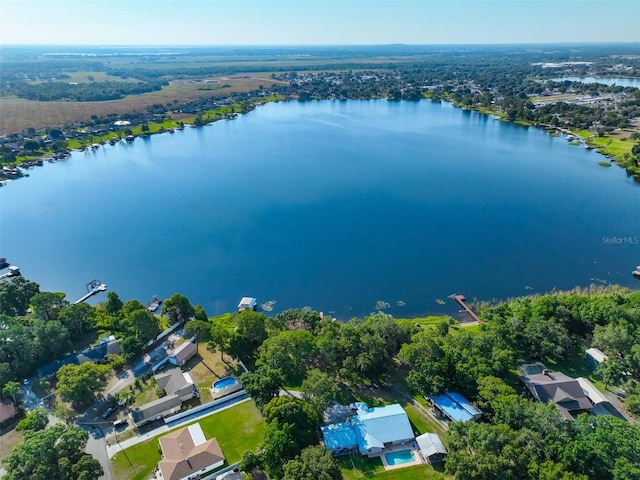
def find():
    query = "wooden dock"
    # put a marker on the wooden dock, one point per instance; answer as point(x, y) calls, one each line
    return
point(93, 287)
point(461, 301)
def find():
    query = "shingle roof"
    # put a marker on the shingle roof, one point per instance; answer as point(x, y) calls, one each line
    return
point(171, 380)
point(187, 452)
point(185, 352)
point(556, 387)
point(157, 407)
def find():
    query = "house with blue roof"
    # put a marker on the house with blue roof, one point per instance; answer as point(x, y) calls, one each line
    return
point(370, 430)
point(455, 407)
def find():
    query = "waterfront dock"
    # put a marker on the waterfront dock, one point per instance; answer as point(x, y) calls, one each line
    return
point(93, 287)
point(461, 301)
point(13, 272)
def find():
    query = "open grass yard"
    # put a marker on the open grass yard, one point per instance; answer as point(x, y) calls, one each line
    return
point(9, 438)
point(237, 429)
point(207, 367)
point(355, 467)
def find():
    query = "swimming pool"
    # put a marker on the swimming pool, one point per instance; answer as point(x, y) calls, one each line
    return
point(398, 458)
point(224, 382)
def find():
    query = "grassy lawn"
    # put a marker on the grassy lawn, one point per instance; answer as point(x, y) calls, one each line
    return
point(237, 429)
point(355, 467)
point(207, 367)
point(9, 439)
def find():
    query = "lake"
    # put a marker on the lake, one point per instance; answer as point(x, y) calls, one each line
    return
point(334, 205)
point(619, 81)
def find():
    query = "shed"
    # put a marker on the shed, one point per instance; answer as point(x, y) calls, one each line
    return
point(431, 447)
point(183, 353)
point(594, 357)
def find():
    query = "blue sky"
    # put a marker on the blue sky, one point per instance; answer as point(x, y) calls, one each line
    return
point(286, 22)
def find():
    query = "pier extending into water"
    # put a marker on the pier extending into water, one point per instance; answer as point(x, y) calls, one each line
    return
point(461, 301)
point(93, 287)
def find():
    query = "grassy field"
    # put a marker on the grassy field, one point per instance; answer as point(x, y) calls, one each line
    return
point(8, 440)
point(18, 113)
point(237, 429)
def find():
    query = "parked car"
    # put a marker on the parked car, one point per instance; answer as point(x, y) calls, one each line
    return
point(109, 411)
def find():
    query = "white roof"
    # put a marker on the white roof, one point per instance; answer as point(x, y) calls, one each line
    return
point(197, 435)
point(247, 302)
point(597, 354)
point(430, 444)
point(591, 391)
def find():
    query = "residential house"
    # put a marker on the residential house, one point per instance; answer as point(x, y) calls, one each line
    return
point(183, 353)
point(561, 390)
point(8, 411)
point(187, 454)
point(370, 430)
point(155, 410)
point(175, 382)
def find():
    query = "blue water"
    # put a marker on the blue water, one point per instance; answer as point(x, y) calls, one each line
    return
point(333, 205)
point(398, 458)
point(225, 382)
point(619, 81)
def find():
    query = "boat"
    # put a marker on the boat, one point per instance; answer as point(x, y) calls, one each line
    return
point(154, 304)
point(636, 272)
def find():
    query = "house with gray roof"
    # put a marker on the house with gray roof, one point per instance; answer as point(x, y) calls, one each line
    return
point(155, 410)
point(174, 382)
point(563, 391)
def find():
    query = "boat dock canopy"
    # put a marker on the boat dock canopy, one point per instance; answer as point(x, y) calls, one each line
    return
point(248, 303)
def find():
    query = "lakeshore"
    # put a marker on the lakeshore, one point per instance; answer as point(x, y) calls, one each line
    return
point(404, 201)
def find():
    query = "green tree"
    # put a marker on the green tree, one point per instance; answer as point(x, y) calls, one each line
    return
point(114, 304)
point(219, 338)
point(319, 389)
point(177, 309)
point(47, 305)
point(279, 447)
point(313, 463)
point(201, 329)
point(611, 371)
point(81, 383)
point(53, 453)
point(200, 314)
point(293, 411)
point(12, 389)
point(248, 335)
point(262, 384)
point(35, 420)
point(78, 317)
point(15, 294)
point(146, 324)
